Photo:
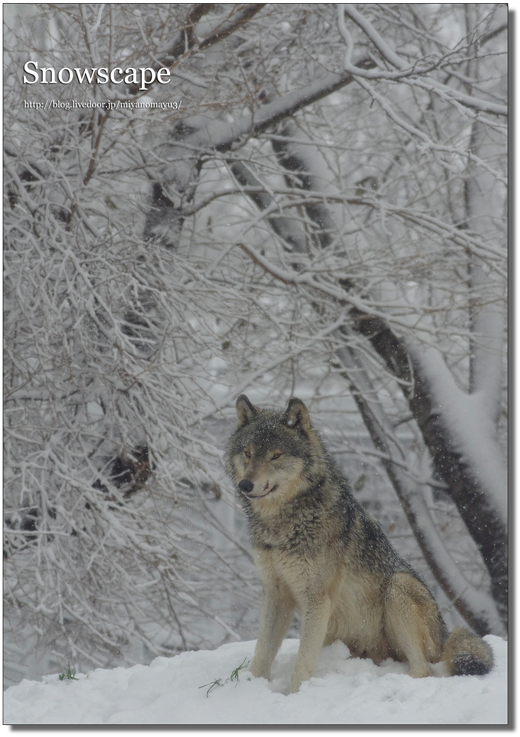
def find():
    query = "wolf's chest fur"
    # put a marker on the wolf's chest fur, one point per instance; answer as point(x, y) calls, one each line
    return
point(300, 526)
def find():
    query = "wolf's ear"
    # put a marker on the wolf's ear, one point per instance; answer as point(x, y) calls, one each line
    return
point(245, 410)
point(297, 415)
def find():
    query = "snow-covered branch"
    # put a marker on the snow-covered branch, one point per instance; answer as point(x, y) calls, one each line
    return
point(414, 73)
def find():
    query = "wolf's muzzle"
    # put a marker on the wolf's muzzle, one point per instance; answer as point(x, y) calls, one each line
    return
point(246, 486)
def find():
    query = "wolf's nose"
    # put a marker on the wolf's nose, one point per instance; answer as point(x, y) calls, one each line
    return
point(246, 486)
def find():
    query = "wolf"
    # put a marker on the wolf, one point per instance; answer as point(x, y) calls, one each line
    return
point(317, 551)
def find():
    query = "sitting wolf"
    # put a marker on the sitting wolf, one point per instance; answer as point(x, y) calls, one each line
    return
point(318, 551)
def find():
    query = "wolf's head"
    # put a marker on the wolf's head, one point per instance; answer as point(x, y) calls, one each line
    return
point(269, 453)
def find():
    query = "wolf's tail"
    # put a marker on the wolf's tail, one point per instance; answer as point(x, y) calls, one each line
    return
point(466, 654)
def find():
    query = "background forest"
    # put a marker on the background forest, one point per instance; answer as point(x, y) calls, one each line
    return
point(324, 216)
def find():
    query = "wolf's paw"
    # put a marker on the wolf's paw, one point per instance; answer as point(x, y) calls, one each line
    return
point(260, 670)
point(420, 671)
point(295, 685)
point(297, 679)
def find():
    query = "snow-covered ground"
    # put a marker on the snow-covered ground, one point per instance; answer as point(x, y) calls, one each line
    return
point(343, 691)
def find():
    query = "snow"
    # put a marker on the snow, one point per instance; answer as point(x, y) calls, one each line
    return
point(343, 691)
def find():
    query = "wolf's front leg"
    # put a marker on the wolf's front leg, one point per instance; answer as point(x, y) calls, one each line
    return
point(276, 614)
point(314, 628)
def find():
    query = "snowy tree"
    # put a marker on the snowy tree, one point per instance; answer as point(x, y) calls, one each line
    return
point(315, 204)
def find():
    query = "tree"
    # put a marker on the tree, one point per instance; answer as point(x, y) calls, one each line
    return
point(319, 209)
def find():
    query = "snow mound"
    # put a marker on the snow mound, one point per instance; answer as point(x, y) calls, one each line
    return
point(344, 691)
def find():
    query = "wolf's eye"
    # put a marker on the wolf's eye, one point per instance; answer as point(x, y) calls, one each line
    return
point(276, 455)
point(247, 453)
